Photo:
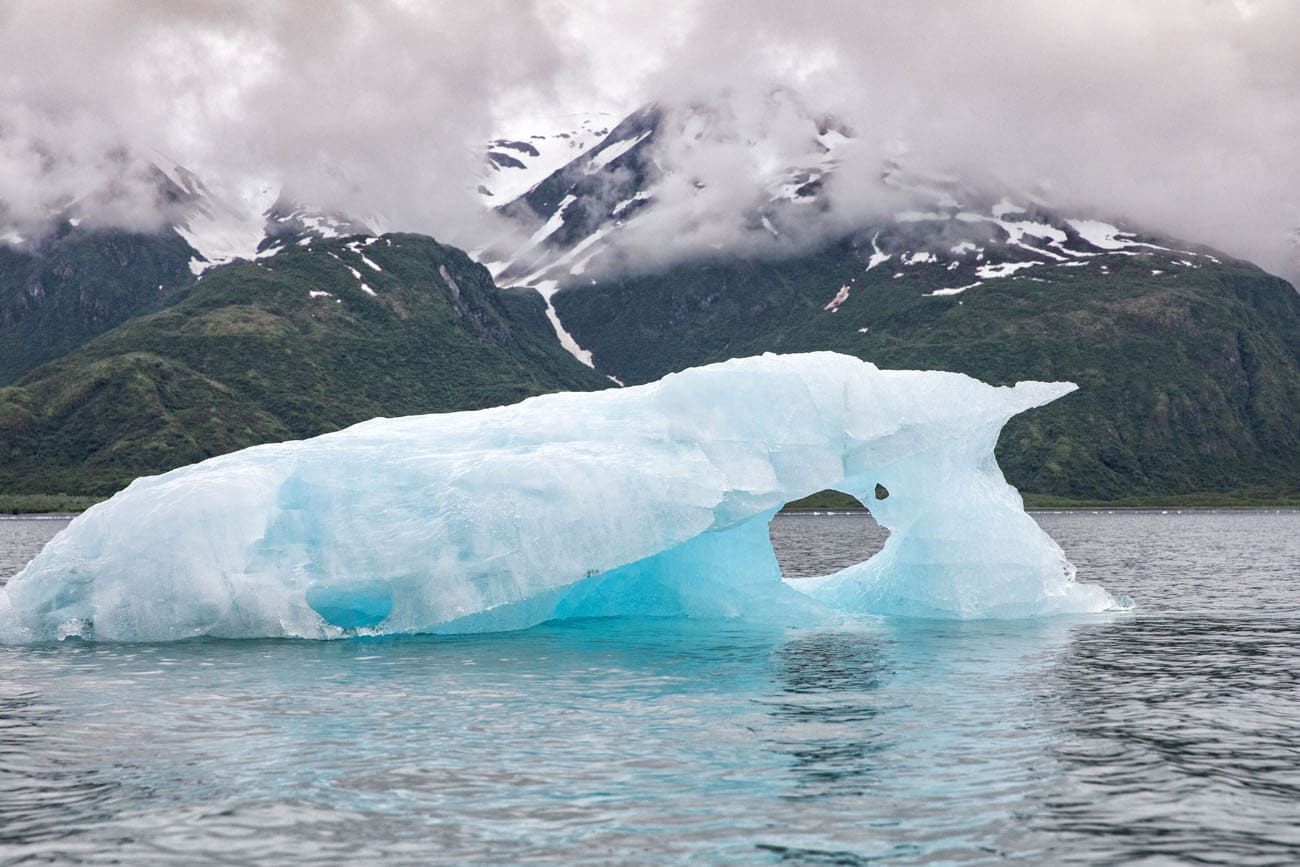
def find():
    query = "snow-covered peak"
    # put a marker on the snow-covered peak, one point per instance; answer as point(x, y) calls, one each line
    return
point(291, 223)
point(518, 162)
point(583, 206)
point(222, 230)
point(253, 221)
point(222, 222)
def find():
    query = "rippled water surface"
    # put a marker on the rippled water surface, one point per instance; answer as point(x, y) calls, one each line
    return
point(1168, 734)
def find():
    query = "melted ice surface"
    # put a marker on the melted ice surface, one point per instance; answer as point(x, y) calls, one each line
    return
point(649, 500)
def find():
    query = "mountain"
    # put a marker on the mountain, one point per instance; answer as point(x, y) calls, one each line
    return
point(78, 283)
point(233, 324)
point(258, 223)
point(1188, 360)
point(574, 218)
point(1189, 375)
point(80, 275)
point(309, 340)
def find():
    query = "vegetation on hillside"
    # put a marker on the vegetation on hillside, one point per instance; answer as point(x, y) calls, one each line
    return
point(1189, 375)
point(79, 284)
point(282, 348)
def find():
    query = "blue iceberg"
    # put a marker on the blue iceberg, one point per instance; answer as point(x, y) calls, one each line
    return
point(652, 500)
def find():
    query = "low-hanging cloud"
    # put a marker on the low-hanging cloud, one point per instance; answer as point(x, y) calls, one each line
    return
point(1179, 116)
point(375, 108)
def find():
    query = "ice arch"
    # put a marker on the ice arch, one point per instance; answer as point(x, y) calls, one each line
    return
point(646, 500)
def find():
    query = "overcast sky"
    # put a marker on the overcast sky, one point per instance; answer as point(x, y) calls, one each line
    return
point(1183, 115)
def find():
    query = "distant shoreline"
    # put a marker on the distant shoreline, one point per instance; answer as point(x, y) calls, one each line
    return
point(52, 507)
point(1225, 501)
point(46, 504)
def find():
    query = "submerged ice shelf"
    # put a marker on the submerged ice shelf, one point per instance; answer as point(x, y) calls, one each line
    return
point(650, 500)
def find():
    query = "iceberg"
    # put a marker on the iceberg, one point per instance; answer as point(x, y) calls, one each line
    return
point(652, 500)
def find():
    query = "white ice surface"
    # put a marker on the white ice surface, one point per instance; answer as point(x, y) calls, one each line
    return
point(647, 500)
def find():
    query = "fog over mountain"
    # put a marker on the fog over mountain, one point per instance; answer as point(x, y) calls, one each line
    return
point(1180, 115)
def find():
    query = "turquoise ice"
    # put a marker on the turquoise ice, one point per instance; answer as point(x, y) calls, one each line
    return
point(652, 500)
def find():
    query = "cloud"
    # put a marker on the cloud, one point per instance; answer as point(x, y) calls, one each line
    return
point(1183, 116)
point(371, 107)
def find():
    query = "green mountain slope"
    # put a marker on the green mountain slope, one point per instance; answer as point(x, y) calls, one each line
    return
point(286, 347)
point(1189, 365)
point(80, 284)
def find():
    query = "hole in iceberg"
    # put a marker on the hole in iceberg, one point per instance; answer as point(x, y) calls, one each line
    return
point(807, 545)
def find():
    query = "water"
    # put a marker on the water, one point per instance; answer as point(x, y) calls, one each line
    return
point(1168, 734)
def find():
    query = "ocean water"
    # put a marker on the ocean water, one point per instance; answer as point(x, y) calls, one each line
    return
point(1168, 734)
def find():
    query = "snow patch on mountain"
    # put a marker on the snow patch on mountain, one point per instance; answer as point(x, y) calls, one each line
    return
point(921, 258)
point(547, 290)
point(250, 222)
point(1101, 235)
point(551, 225)
point(878, 257)
point(1003, 269)
point(955, 290)
point(609, 153)
point(838, 301)
point(222, 232)
point(516, 165)
point(640, 196)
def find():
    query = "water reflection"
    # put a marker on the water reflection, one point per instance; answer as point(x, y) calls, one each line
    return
point(830, 695)
point(909, 712)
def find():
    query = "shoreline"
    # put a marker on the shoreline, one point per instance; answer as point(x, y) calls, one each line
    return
point(839, 511)
point(1239, 500)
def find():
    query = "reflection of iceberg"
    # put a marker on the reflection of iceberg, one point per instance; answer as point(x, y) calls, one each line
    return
point(650, 500)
